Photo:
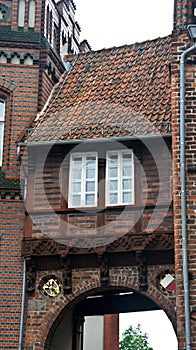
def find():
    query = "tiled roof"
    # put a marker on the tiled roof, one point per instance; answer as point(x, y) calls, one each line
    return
point(121, 91)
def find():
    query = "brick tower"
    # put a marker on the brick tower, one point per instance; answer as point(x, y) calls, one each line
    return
point(34, 36)
point(184, 14)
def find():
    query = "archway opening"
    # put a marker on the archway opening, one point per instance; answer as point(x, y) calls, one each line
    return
point(93, 322)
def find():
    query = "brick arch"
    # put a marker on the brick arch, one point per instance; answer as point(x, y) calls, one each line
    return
point(7, 86)
point(56, 313)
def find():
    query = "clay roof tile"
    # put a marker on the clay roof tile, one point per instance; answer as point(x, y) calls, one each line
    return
point(128, 84)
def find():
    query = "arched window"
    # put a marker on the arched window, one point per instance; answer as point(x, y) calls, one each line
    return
point(55, 37)
point(47, 22)
point(2, 121)
point(64, 44)
point(21, 13)
point(50, 33)
point(31, 13)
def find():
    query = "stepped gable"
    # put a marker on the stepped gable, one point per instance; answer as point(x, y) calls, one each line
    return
point(114, 92)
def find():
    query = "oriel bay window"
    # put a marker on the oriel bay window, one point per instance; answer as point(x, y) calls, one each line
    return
point(83, 179)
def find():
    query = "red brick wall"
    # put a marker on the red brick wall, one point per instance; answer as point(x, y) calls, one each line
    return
point(111, 332)
point(180, 44)
point(22, 108)
point(183, 13)
point(44, 313)
point(11, 266)
point(19, 85)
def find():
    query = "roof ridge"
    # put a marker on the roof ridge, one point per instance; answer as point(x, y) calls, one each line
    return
point(80, 54)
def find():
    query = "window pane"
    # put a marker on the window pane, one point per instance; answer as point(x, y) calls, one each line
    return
point(90, 186)
point(90, 162)
point(76, 200)
point(126, 184)
point(77, 187)
point(77, 161)
point(90, 199)
point(90, 173)
point(113, 185)
point(127, 197)
point(127, 171)
point(113, 198)
point(127, 158)
point(77, 174)
point(114, 158)
point(113, 172)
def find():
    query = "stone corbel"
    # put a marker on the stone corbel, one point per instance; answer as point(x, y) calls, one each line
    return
point(67, 274)
point(142, 271)
point(30, 275)
point(104, 269)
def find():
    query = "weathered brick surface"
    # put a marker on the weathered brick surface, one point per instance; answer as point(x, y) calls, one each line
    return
point(25, 89)
point(180, 44)
point(111, 332)
point(41, 318)
point(11, 266)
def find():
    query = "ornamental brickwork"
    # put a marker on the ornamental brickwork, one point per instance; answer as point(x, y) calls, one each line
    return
point(69, 274)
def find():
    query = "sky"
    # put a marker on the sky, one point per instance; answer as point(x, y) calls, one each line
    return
point(108, 23)
point(161, 335)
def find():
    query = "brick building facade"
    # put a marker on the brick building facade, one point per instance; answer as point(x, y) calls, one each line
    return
point(96, 237)
point(34, 37)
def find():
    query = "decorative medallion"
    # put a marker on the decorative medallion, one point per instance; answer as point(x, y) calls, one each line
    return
point(50, 286)
point(4, 12)
point(166, 282)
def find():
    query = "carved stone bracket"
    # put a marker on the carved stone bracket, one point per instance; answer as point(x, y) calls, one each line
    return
point(67, 274)
point(31, 275)
point(104, 269)
point(142, 271)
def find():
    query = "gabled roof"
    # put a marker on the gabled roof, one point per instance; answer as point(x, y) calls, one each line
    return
point(121, 91)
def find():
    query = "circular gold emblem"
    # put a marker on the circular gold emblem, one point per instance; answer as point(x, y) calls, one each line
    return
point(50, 286)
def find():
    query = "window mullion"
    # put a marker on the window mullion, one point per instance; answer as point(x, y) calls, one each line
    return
point(120, 170)
point(96, 179)
point(83, 180)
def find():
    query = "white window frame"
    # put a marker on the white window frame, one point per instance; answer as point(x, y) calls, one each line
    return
point(2, 123)
point(119, 191)
point(83, 180)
